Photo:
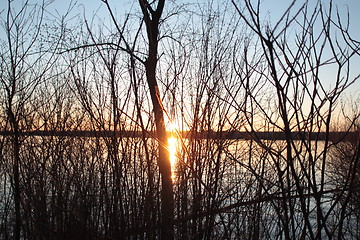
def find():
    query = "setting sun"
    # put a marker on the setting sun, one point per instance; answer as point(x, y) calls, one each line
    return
point(180, 119)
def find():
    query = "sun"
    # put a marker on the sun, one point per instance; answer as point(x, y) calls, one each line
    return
point(172, 128)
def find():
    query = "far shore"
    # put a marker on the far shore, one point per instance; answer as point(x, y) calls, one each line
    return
point(331, 136)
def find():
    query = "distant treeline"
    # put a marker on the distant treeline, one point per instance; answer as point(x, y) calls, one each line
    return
point(332, 136)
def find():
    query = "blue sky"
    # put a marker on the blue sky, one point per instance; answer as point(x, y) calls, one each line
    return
point(271, 9)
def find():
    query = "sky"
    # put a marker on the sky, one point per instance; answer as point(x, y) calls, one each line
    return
point(274, 8)
point(271, 9)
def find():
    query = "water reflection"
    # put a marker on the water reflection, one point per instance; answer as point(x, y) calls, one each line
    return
point(172, 145)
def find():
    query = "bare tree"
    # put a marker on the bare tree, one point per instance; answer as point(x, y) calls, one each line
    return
point(152, 13)
point(25, 61)
point(290, 65)
point(257, 156)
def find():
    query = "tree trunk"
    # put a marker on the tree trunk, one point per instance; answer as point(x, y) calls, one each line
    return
point(16, 172)
point(151, 19)
point(167, 199)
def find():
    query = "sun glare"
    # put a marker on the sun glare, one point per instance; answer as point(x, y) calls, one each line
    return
point(172, 127)
point(172, 144)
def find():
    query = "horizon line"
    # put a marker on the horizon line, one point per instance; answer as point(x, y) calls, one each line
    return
point(221, 135)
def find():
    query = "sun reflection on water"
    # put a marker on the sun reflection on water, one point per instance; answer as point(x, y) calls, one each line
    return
point(172, 142)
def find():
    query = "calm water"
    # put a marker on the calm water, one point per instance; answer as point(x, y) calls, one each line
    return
point(219, 173)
